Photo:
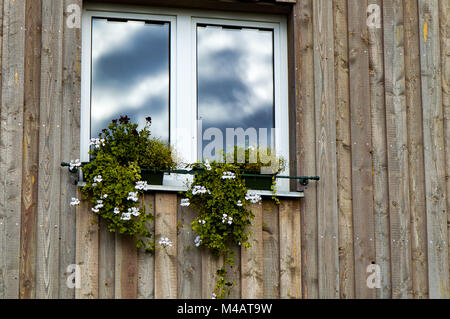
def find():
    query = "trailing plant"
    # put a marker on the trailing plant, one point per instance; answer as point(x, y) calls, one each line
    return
point(256, 161)
point(113, 177)
point(220, 197)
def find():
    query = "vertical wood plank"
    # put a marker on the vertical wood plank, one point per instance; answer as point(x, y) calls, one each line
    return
point(306, 141)
point(49, 195)
point(444, 11)
point(106, 262)
point(271, 246)
point(70, 142)
point(32, 77)
point(290, 249)
point(87, 231)
point(362, 182)
point(343, 153)
point(415, 150)
point(165, 258)
point(126, 269)
point(434, 153)
point(252, 258)
point(11, 136)
point(379, 160)
point(189, 257)
point(324, 89)
point(210, 264)
point(397, 139)
point(146, 261)
point(234, 274)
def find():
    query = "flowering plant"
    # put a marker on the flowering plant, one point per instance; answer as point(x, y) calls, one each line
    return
point(113, 177)
point(219, 195)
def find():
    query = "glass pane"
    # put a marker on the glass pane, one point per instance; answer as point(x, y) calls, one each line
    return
point(235, 86)
point(130, 74)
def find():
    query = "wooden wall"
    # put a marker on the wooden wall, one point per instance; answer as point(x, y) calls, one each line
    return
point(371, 116)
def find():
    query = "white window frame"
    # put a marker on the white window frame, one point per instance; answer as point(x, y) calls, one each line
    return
point(183, 74)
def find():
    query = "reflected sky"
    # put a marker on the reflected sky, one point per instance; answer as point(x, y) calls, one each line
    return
point(130, 74)
point(235, 78)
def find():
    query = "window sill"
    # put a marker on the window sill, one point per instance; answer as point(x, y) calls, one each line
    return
point(166, 188)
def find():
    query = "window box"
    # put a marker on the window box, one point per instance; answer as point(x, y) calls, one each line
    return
point(151, 177)
point(262, 182)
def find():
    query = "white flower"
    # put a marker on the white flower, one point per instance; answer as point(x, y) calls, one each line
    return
point(95, 210)
point(75, 202)
point(165, 242)
point(99, 204)
point(197, 241)
point(213, 296)
point(133, 196)
point(227, 219)
point(253, 197)
point(207, 166)
point(94, 184)
point(134, 211)
point(141, 185)
point(116, 211)
point(97, 179)
point(74, 163)
point(239, 203)
point(197, 189)
point(96, 142)
point(228, 175)
point(105, 196)
point(202, 222)
point(185, 202)
point(126, 216)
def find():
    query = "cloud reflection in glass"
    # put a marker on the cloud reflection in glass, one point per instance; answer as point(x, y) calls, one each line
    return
point(130, 74)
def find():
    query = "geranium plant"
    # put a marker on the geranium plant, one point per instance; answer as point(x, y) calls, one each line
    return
point(113, 179)
point(220, 197)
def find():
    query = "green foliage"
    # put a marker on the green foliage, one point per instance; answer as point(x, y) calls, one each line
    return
point(126, 144)
point(253, 160)
point(117, 157)
point(221, 221)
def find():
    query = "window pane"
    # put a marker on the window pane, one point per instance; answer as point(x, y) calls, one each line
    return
point(235, 84)
point(130, 74)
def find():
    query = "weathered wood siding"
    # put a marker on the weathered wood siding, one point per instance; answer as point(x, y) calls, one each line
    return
point(370, 99)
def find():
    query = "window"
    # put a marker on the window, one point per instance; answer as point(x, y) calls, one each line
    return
point(209, 80)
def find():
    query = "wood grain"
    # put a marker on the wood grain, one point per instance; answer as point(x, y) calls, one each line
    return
point(324, 88)
point(306, 141)
point(343, 153)
point(165, 257)
point(86, 252)
point(146, 261)
point(444, 16)
point(70, 142)
point(106, 262)
point(189, 257)
point(271, 246)
point(252, 258)
point(434, 152)
point(32, 77)
point(290, 250)
point(362, 179)
point(11, 137)
point(415, 150)
point(126, 268)
point(379, 160)
point(397, 139)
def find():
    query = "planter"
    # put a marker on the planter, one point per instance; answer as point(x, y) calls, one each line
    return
point(152, 178)
point(258, 183)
